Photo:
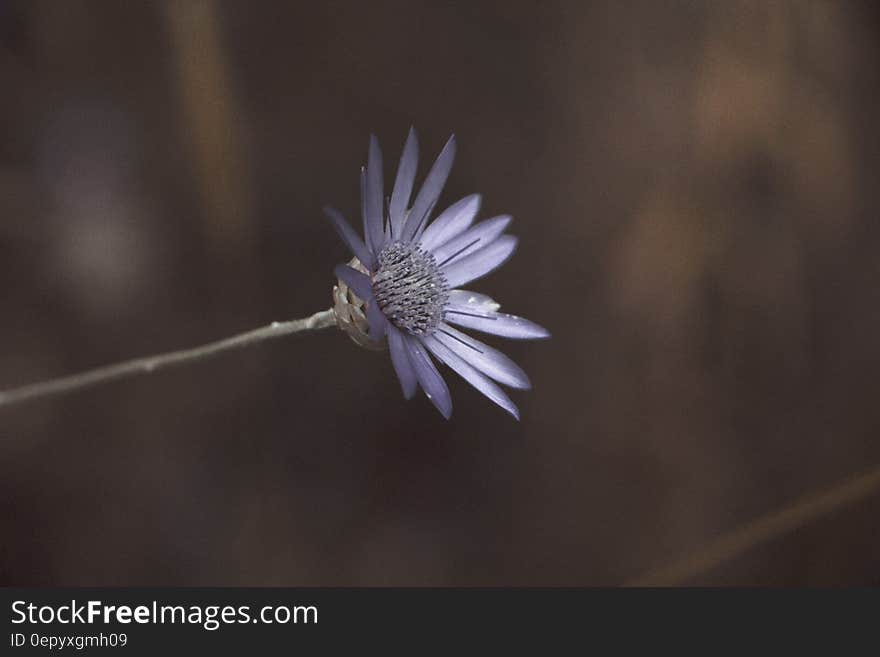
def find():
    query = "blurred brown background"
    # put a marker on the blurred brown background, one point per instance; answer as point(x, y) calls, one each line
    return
point(695, 187)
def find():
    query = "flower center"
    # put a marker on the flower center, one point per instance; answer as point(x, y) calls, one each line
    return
point(410, 288)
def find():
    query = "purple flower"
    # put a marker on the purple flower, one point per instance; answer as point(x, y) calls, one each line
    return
point(414, 269)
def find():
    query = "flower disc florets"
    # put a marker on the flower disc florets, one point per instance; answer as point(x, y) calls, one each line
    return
point(409, 288)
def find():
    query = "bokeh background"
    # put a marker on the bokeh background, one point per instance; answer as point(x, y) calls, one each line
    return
point(695, 188)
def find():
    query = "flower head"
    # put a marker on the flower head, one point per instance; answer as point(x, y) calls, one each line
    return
point(408, 269)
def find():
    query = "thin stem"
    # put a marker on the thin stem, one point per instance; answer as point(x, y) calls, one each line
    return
point(145, 365)
point(763, 529)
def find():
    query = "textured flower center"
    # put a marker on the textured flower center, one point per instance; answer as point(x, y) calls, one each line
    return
point(409, 287)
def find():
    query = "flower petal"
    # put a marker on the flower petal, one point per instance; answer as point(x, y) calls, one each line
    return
point(487, 360)
point(481, 262)
point(400, 360)
point(474, 239)
point(451, 222)
point(475, 300)
point(403, 183)
point(429, 378)
point(377, 321)
point(471, 375)
point(354, 243)
point(374, 229)
point(357, 281)
point(508, 326)
point(430, 192)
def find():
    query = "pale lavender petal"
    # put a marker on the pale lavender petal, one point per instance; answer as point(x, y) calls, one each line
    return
point(470, 241)
point(374, 228)
point(429, 378)
point(354, 243)
point(403, 184)
point(430, 192)
point(471, 375)
point(487, 360)
point(480, 263)
point(451, 222)
point(400, 360)
point(475, 300)
point(357, 281)
point(377, 321)
point(508, 326)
